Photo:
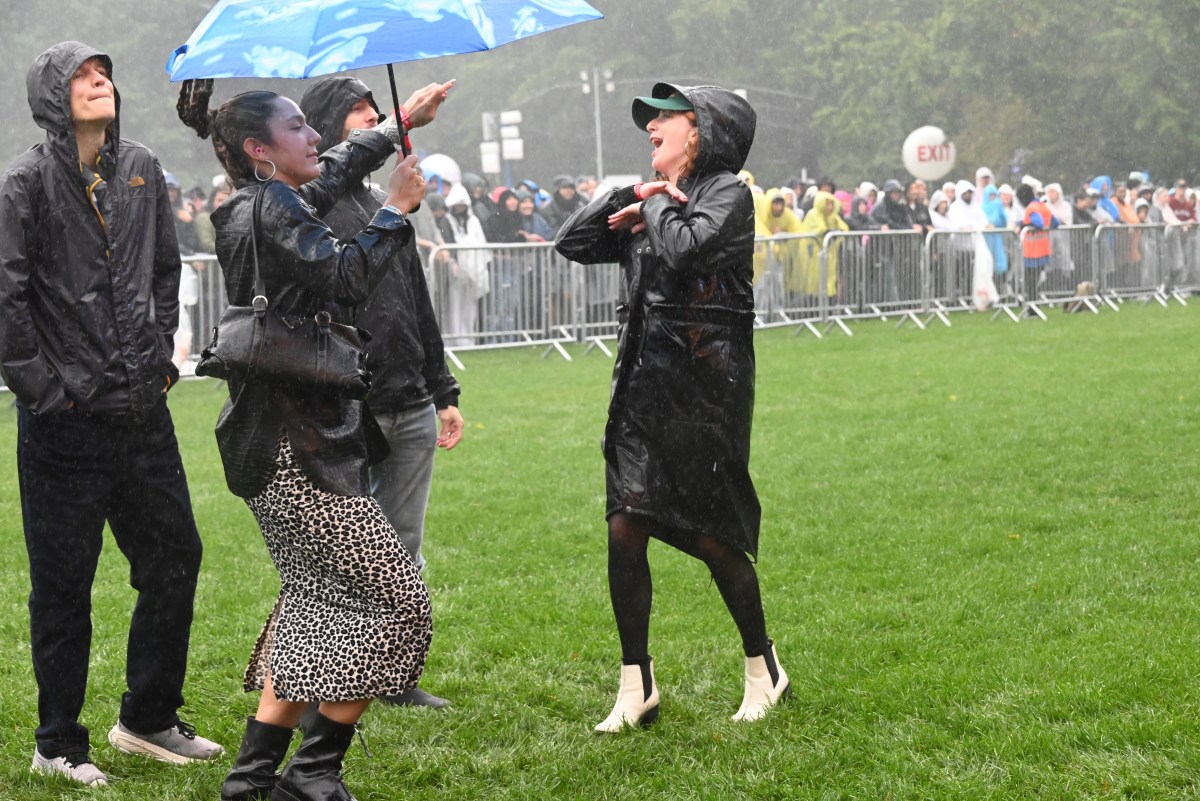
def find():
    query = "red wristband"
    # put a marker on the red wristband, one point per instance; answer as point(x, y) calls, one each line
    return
point(637, 191)
point(405, 120)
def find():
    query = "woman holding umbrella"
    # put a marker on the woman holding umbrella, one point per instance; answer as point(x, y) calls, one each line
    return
point(353, 620)
point(677, 441)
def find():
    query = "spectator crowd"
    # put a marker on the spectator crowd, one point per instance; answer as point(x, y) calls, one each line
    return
point(473, 213)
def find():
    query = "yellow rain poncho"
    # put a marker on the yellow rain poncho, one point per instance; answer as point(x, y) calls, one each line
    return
point(823, 217)
point(767, 223)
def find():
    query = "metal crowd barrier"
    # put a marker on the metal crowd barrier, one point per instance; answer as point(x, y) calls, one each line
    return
point(496, 296)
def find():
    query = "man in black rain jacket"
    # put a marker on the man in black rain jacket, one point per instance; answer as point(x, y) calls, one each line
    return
point(411, 387)
point(89, 281)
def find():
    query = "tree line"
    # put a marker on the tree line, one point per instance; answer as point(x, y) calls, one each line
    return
point(1061, 90)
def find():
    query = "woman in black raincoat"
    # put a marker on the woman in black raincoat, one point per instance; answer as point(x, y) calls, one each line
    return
point(677, 441)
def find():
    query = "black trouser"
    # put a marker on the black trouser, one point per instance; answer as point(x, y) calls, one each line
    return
point(77, 472)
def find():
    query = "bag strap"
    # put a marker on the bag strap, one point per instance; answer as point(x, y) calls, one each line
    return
point(260, 290)
point(259, 301)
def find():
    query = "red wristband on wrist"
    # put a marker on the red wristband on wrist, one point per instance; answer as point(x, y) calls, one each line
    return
point(405, 120)
point(637, 191)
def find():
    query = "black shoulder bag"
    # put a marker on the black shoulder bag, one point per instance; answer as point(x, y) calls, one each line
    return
point(309, 352)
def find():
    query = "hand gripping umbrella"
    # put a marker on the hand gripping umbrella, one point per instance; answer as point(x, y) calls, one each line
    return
point(306, 38)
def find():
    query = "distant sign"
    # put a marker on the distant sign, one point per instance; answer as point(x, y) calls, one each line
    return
point(928, 154)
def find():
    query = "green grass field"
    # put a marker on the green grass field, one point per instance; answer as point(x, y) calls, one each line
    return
point(979, 560)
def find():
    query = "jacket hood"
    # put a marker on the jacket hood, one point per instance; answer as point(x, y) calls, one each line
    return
point(458, 194)
point(472, 181)
point(981, 172)
point(821, 207)
point(1102, 184)
point(993, 209)
point(328, 101)
point(963, 186)
point(725, 122)
point(48, 86)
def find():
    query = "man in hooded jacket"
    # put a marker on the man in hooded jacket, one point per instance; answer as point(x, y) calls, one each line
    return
point(89, 283)
point(411, 387)
point(565, 201)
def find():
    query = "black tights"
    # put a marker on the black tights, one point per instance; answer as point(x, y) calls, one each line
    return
point(631, 590)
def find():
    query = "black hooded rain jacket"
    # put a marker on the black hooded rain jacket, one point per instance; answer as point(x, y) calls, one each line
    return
point(89, 269)
point(406, 357)
point(677, 441)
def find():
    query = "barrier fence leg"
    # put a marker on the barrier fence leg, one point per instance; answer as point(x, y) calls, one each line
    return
point(907, 316)
point(457, 363)
point(596, 342)
point(556, 345)
point(938, 314)
point(1005, 309)
point(840, 324)
point(807, 325)
point(1033, 307)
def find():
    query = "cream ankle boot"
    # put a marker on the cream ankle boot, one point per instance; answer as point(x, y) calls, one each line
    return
point(761, 693)
point(636, 704)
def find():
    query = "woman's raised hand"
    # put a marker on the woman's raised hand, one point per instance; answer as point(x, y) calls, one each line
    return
point(406, 185)
point(629, 217)
point(661, 188)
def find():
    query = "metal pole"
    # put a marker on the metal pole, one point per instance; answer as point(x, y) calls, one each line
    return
point(596, 108)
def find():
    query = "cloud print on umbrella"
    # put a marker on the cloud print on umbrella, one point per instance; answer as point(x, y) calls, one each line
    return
point(303, 38)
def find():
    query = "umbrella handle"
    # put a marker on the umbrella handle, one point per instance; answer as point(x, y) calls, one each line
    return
point(396, 110)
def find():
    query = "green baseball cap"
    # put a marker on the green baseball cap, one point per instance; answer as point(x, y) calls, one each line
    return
point(663, 97)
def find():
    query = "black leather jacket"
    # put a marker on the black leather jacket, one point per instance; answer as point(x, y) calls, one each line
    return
point(89, 294)
point(304, 269)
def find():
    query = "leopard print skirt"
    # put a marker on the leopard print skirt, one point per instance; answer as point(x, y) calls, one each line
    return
point(353, 619)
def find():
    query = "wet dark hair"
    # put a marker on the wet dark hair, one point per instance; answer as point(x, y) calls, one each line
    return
point(1025, 194)
point(244, 116)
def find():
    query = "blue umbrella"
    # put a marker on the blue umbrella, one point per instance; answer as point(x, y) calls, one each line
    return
point(304, 38)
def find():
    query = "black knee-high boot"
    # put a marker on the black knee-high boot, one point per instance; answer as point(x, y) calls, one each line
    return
point(315, 771)
point(253, 773)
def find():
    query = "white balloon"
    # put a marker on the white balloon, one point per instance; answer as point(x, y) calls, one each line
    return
point(928, 154)
point(443, 165)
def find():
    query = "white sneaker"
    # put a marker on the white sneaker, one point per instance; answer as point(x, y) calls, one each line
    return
point(179, 744)
point(75, 767)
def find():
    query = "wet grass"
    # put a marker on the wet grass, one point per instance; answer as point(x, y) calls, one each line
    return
point(979, 558)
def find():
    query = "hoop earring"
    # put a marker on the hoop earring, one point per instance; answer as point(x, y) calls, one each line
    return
point(258, 177)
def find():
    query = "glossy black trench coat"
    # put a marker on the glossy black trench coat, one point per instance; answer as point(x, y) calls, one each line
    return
point(677, 440)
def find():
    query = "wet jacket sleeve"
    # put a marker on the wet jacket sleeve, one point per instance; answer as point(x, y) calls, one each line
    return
point(25, 368)
point(362, 153)
point(306, 252)
point(585, 238)
point(167, 266)
point(684, 238)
